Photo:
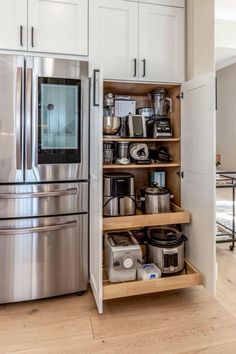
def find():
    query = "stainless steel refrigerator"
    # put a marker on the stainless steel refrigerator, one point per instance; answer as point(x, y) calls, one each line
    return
point(44, 108)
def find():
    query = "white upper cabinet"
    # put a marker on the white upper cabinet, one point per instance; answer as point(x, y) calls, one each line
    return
point(178, 3)
point(13, 24)
point(114, 38)
point(161, 43)
point(137, 41)
point(58, 26)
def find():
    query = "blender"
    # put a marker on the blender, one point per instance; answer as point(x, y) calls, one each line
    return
point(162, 106)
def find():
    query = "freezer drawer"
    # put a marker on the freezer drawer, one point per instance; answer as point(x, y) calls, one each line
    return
point(43, 257)
point(43, 200)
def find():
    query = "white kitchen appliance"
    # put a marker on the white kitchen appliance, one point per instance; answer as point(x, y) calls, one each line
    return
point(123, 256)
point(137, 126)
point(124, 107)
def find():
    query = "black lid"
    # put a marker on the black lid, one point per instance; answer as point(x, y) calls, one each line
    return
point(116, 175)
point(165, 237)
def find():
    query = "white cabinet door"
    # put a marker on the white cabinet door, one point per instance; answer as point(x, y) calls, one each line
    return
point(198, 165)
point(161, 43)
point(114, 38)
point(58, 26)
point(96, 187)
point(13, 24)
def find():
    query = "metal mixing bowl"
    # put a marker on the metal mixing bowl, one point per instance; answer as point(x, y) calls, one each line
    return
point(111, 125)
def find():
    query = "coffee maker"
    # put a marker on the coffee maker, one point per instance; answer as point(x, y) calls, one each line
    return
point(162, 106)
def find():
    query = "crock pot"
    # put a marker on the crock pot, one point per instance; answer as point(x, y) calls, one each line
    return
point(155, 200)
point(166, 248)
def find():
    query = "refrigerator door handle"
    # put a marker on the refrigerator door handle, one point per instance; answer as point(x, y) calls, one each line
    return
point(29, 77)
point(19, 118)
point(37, 229)
point(56, 193)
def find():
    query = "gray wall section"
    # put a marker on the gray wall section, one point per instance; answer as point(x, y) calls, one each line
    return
point(226, 117)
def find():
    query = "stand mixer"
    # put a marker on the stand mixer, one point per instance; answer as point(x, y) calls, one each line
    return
point(162, 106)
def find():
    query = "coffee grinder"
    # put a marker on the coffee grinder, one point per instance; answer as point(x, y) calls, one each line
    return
point(162, 106)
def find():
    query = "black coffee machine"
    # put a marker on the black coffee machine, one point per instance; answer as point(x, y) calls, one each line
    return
point(162, 106)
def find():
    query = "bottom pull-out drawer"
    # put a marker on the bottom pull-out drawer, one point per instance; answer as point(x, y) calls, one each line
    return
point(43, 257)
point(188, 278)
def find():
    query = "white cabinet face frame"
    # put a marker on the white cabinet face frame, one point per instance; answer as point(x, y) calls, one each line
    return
point(175, 3)
point(161, 43)
point(13, 24)
point(114, 38)
point(58, 26)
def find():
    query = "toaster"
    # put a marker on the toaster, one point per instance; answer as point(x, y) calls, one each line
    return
point(123, 256)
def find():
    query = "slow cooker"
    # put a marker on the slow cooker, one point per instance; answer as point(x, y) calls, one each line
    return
point(166, 248)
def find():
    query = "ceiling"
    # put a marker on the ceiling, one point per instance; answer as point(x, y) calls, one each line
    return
point(225, 32)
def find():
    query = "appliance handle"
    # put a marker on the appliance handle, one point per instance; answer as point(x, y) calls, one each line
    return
point(29, 76)
point(19, 118)
point(55, 193)
point(170, 102)
point(95, 72)
point(37, 229)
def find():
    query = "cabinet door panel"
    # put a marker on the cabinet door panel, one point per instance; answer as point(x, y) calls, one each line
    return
point(58, 26)
point(161, 43)
point(114, 38)
point(198, 164)
point(13, 15)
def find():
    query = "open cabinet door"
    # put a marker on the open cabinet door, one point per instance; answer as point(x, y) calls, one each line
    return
point(96, 178)
point(198, 166)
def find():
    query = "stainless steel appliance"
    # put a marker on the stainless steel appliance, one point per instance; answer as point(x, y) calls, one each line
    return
point(155, 200)
point(123, 256)
point(162, 106)
point(137, 126)
point(111, 123)
point(119, 194)
point(166, 248)
point(122, 153)
point(44, 111)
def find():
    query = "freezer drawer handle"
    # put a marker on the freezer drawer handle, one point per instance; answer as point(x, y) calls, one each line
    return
point(56, 193)
point(30, 230)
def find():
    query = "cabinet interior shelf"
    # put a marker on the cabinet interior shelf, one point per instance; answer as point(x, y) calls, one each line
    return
point(142, 139)
point(136, 166)
point(188, 278)
point(177, 216)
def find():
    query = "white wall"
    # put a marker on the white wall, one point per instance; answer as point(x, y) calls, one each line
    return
point(226, 117)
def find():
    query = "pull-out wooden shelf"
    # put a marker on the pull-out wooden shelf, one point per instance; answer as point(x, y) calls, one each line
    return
point(137, 166)
point(177, 216)
point(188, 278)
point(144, 140)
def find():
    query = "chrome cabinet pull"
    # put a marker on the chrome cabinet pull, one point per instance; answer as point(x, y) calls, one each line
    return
point(55, 193)
point(32, 37)
point(144, 67)
point(21, 36)
point(18, 118)
point(38, 229)
point(135, 67)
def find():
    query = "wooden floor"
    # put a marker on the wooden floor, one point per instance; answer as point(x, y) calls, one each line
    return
point(187, 321)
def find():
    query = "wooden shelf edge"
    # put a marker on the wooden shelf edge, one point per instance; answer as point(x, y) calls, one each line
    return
point(143, 139)
point(136, 166)
point(178, 216)
point(141, 287)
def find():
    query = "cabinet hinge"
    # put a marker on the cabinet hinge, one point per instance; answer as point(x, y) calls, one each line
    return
point(180, 173)
point(180, 96)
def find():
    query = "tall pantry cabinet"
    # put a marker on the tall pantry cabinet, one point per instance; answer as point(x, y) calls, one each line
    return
point(193, 144)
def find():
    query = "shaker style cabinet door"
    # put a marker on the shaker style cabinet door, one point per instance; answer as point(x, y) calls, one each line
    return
point(114, 38)
point(13, 24)
point(161, 43)
point(58, 26)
